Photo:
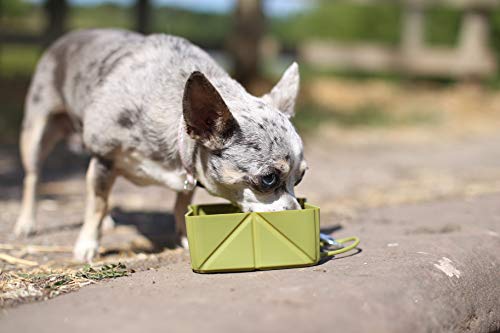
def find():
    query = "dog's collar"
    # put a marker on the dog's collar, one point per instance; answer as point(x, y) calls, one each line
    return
point(190, 181)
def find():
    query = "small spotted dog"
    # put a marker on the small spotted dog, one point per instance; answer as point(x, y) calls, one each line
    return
point(158, 110)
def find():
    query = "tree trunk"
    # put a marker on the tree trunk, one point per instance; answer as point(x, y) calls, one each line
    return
point(244, 44)
point(56, 12)
point(143, 16)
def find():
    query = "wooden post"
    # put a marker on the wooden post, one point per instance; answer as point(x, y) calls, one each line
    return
point(244, 44)
point(56, 13)
point(143, 16)
point(413, 35)
point(474, 32)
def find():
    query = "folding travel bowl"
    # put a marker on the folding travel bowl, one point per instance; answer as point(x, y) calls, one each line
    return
point(223, 239)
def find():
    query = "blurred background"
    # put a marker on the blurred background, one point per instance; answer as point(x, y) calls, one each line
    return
point(417, 43)
point(399, 100)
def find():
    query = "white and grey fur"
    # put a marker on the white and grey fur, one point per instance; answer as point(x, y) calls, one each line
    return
point(126, 95)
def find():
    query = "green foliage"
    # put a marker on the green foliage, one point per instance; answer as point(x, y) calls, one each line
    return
point(14, 7)
point(495, 40)
point(310, 116)
point(101, 16)
point(343, 21)
point(51, 280)
point(109, 271)
point(166, 20)
point(308, 72)
point(442, 26)
point(18, 60)
point(203, 29)
point(42, 283)
point(18, 16)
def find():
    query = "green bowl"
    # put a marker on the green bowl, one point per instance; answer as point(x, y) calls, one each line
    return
point(223, 239)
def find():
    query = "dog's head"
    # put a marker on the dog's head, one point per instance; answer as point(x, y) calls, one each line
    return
point(249, 152)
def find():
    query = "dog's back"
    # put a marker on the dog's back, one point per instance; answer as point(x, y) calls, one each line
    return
point(70, 68)
point(105, 81)
point(158, 110)
point(79, 67)
point(116, 89)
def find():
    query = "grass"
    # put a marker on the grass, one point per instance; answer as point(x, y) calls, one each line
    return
point(101, 16)
point(310, 116)
point(308, 72)
point(41, 284)
point(109, 271)
point(18, 60)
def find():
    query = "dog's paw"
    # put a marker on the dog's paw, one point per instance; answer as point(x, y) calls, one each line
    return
point(85, 250)
point(107, 224)
point(184, 242)
point(24, 226)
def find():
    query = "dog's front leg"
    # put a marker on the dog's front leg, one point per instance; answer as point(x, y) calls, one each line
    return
point(100, 178)
point(183, 200)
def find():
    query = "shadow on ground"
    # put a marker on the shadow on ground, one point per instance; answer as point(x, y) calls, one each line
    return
point(61, 164)
point(157, 227)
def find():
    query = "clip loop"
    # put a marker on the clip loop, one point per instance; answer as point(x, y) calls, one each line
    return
point(328, 243)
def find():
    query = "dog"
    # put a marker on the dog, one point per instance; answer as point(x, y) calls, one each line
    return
point(158, 110)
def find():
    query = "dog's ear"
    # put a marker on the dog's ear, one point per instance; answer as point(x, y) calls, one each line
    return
point(207, 116)
point(285, 92)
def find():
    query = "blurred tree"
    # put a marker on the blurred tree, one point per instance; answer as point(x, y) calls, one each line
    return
point(495, 38)
point(57, 13)
point(244, 41)
point(443, 25)
point(15, 8)
point(342, 20)
point(143, 16)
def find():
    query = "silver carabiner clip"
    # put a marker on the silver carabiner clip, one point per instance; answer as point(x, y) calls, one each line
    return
point(329, 243)
point(189, 185)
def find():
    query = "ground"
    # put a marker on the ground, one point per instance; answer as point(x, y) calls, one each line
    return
point(424, 199)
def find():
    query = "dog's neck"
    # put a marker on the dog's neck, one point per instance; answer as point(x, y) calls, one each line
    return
point(186, 147)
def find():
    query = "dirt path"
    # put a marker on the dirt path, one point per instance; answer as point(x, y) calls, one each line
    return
point(423, 267)
point(345, 175)
point(413, 202)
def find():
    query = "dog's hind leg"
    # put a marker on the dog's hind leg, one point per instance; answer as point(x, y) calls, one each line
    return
point(101, 175)
point(39, 134)
point(182, 201)
point(30, 147)
point(45, 123)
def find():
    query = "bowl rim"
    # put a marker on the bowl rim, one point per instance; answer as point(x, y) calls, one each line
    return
point(192, 208)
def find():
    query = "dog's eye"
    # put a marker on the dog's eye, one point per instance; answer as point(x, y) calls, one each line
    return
point(269, 180)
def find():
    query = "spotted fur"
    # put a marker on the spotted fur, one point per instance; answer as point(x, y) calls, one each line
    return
point(126, 95)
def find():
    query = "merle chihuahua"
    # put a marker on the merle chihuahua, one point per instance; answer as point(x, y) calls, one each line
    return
point(158, 110)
